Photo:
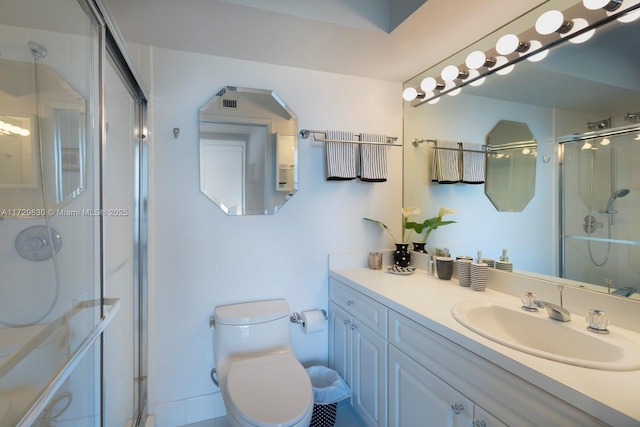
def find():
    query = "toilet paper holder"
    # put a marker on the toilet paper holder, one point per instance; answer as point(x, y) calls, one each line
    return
point(297, 318)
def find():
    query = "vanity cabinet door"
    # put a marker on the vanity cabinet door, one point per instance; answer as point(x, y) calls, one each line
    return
point(369, 375)
point(419, 398)
point(482, 418)
point(340, 342)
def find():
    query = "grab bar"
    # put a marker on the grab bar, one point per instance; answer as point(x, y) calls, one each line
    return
point(45, 395)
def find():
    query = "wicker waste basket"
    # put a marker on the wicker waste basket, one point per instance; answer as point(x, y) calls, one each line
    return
point(328, 390)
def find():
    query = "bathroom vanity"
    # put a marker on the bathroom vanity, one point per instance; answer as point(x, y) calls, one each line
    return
point(410, 362)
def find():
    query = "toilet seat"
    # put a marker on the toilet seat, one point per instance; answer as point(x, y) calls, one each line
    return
point(273, 390)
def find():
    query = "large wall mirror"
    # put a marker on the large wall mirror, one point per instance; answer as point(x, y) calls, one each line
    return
point(248, 151)
point(42, 140)
point(582, 103)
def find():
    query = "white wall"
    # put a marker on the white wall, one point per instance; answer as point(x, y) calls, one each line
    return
point(200, 257)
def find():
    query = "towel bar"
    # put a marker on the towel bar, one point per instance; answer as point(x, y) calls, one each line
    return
point(305, 133)
point(416, 142)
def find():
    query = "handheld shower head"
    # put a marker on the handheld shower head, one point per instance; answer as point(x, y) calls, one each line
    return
point(618, 193)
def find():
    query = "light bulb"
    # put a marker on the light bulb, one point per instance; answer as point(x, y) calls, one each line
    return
point(474, 74)
point(551, 22)
point(500, 61)
point(507, 44)
point(409, 94)
point(428, 84)
point(535, 45)
point(450, 89)
point(450, 73)
point(434, 101)
point(586, 146)
point(579, 24)
point(631, 16)
point(478, 82)
point(605, 141)
point(478, 59)
point(609, 5)
point(510, 43)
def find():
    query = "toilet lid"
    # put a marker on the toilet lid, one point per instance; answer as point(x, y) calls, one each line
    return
point(273, 390)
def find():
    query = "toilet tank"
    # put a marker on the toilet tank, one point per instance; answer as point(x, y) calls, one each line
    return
point(251, 328)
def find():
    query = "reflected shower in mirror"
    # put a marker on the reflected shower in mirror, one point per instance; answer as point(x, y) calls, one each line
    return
point(576, 92)
point(248, 151)
point(42, 140)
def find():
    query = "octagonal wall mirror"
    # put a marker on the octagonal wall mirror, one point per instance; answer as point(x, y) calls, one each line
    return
point(248, 151)
point(510, 181)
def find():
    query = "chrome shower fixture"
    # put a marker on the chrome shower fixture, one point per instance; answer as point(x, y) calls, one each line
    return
point(632, 117)
point(37, 50)
point(618, 194)
point(599, 125)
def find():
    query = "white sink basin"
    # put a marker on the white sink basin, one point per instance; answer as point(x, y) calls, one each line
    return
point(534, 333)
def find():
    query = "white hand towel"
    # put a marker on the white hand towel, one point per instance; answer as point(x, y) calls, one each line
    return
point(373, 158)
point(340, 156)
point(446, 162)
point(473, 163)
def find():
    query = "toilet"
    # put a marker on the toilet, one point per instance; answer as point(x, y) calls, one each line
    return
point(261, 381)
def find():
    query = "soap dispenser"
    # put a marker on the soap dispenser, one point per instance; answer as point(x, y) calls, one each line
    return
point(479, 274)
point(504, 264)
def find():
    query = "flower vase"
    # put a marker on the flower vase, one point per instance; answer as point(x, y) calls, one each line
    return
point(401, 256)
point(419, 247)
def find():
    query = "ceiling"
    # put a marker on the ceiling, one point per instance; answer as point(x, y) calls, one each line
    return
point(383, 39)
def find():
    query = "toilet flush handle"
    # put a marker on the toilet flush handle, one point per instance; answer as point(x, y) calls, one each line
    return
point(214, 377)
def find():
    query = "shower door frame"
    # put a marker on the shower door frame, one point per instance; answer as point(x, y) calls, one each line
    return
point(115, 48)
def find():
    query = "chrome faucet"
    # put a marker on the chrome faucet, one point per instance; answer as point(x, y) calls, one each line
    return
point(554, 311)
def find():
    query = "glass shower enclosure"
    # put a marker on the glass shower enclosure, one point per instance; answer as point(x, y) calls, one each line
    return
point(72, 219)
point(600, 201)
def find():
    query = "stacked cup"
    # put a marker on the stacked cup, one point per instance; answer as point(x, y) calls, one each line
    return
point(444, 267)
point(490, 262)
point(464, 271)
point(479, 276)
point(504, 265)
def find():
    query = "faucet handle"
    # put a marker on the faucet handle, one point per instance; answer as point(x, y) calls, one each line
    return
point(528, 301)
point(598, 321)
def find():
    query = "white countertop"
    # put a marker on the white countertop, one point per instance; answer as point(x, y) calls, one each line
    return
point(611, 396)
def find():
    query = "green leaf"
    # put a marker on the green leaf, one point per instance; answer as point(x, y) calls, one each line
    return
point(416, 226)
point(377, 222)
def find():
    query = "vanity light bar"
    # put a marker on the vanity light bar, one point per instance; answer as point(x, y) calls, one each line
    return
point(551, 28)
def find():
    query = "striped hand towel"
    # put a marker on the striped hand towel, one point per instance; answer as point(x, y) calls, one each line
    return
point(373, 158)
point(340, 156)
point(446, 162)
point(473, 163)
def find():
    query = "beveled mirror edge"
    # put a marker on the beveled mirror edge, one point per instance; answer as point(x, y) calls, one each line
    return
point(270, 208)
point(530, 145)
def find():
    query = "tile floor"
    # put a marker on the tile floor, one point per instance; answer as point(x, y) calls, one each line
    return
point(346, 417)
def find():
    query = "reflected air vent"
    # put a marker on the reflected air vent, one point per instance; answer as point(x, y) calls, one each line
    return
point(229, 103)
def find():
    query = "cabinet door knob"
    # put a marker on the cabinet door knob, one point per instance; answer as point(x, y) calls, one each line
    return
point(349, 303)
point(346, 322)
point(353, 326)
point(457, 408)
point(479, 423)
